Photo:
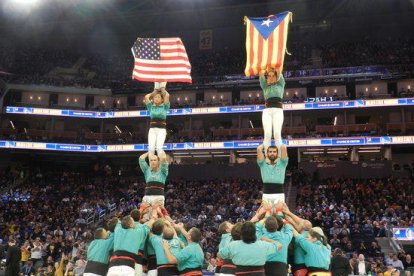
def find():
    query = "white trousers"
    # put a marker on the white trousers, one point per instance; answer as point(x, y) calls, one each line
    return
point(153, 272)
point(156, 139)
point(121, 270)
point(138, 270)
point(150, 200)
point(92, 274)
point(272, 119)
point(158, 85)
point(273, 199)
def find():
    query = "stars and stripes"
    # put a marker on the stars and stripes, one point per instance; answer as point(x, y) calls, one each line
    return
point(266, 42)
point(160, 60)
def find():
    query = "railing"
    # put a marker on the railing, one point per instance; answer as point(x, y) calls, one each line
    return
point(112, 208)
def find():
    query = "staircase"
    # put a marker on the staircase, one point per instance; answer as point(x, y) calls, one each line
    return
point(385, 244)
point(291, 193)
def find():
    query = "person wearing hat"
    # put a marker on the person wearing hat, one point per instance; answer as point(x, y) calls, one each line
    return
point(339, 264)
point(317, 249)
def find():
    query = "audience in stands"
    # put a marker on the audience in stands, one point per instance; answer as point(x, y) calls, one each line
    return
point(38, 66)
point(53, 231)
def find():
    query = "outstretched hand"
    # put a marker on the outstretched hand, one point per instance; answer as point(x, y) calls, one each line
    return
point(165, 245)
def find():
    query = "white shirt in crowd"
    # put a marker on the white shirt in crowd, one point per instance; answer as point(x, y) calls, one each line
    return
point(362, 270)
point(36, 251)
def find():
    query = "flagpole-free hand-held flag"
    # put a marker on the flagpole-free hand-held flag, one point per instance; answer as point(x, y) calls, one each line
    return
point(266, 42)
point(161, 60)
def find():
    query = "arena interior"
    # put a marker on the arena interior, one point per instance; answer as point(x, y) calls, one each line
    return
point(304, 166)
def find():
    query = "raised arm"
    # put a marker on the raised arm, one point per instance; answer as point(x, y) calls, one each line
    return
point(283, 152)
point(148, 97)
point(297, 222)
point(142, 163)
point(260, 154)
point(183, 231)
point(166, 96)
point(144, 155)
point(262, 79)
point(170, 257)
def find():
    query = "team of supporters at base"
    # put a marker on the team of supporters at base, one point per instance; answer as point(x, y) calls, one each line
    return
point(134, 246)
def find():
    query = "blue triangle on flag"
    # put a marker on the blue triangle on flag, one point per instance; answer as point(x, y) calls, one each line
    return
point(266, 25)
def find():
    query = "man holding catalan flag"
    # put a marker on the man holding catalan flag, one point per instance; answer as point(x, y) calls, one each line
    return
point(266, 46)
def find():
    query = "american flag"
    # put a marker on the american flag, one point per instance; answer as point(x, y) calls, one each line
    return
point(161, 59)
point(266, 42)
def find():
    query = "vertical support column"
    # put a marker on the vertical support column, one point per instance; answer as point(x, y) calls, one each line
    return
point(403, 119)
point(191, 126)
point(354, 154)
point(388, 153)
point(345, 123)
point(232, 157)
point(101, 129)
point(52, 124)
point(299, 157)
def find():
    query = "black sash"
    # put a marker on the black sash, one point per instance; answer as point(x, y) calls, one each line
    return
point(121, 257)
point(273, 188)
point(274, 102)
point(317, 269)
point(250, 270)
point(159, 123)
point(154, 188)
point(96, 268)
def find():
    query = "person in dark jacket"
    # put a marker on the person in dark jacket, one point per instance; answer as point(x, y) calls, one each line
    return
point(13, 259)
point(361, 267)
point(340, 264)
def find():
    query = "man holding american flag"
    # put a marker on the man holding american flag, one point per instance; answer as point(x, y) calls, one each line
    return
point(159, 60)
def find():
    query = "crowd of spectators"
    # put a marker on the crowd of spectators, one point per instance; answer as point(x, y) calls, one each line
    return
point(52, 228)
point(49, 216)
point(114, 70)
point(355, 212)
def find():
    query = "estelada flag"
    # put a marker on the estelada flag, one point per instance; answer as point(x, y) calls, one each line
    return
point(266, 42)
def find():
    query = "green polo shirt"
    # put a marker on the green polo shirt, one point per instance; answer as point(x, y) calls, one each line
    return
point(225, 240)
point(317, 255)
point(154, 176)
point(149, 249)
point(284, 236)
point(248, 254)
point(158, 111)
point(183, 239)
point(130, 239)
point(192, 256)
point(273, 173)
point(274, 90)
point(156, 241)
point(99, 250)
point(299, 253)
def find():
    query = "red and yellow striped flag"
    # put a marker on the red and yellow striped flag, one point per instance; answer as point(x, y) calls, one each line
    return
point(266, 42)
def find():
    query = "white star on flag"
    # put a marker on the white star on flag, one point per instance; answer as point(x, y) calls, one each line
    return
point(267, 22)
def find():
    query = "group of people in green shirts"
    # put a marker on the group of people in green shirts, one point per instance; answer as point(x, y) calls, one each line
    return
point(148, 242)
